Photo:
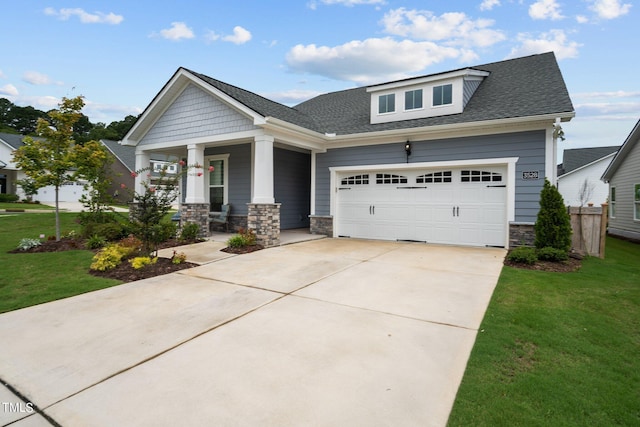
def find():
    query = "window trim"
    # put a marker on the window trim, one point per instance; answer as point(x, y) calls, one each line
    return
point(612, 202)
point(225, 177)
point(433, 98)
point(420, 97)
point(636, 202)
point(387, 96)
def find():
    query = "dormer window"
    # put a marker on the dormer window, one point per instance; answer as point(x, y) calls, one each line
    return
point(413, 99)
point(387, 103)
point(442, 95)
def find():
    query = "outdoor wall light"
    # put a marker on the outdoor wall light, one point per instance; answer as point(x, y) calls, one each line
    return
point(407, 149)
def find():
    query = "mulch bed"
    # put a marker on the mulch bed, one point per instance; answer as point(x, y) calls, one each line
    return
point(124, 272)
point(572, 264)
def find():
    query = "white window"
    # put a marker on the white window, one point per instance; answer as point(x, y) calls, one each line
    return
point(218, 182)
point(413, 99)
point(636, 202)
point(480, 176)
point(612, 203)
point(387, 103)
point(442, 95)
point(171, 168)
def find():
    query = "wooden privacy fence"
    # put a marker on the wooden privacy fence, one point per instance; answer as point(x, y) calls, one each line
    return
point(589, 225)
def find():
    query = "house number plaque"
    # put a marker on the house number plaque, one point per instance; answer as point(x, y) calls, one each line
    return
point(530, 175)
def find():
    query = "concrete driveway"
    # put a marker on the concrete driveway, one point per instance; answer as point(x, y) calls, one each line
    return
point(325, 333)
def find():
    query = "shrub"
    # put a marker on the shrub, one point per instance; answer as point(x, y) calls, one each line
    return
point(10, 198)
point(553, 224)
point(523, 255)
point(189, 231)
point(110, 231)
point(178, 257)
point(108, 257)
point(243, 238)
point(166, 230)
point(95, 242)
point(26, 244)
point(552, 254)
point(142, 261)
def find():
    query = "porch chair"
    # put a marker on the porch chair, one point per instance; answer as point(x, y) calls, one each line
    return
point(223, 217)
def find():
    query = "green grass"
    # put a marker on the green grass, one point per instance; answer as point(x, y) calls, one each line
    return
point(34, 278)
point(558, 349)
point(25, 206)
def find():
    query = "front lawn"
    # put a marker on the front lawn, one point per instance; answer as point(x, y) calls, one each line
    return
point(558, 349)
point(24, 206)
point(29, 279)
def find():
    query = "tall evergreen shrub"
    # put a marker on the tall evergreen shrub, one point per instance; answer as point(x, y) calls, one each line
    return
point(553, 225)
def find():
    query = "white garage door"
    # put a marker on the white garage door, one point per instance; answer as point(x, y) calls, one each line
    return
point(465, 206)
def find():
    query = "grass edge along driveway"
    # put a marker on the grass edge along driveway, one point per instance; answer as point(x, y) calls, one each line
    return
point(35, 278)
point(559, 349)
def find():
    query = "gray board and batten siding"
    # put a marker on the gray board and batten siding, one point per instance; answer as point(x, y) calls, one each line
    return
point(529, 147)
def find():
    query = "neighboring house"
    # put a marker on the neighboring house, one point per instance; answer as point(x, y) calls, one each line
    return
point(11, 174)
point(124, 165)
point(8, 170)
point(580, 165)
point(623, 176)
point(457, 157)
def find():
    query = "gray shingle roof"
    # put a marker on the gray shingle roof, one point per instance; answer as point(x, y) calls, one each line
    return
point(521, 87)
point(577, 157)
point(14, 140)
point(126, 154)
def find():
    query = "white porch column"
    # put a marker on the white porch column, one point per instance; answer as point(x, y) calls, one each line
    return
point(143, 161)
point(263, 170)
point(195, 177)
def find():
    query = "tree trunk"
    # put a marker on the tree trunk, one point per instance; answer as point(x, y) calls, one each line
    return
point(57, 216)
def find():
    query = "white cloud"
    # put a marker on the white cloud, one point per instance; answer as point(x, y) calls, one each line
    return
point(454, 28)
point(178, 31)
point(489, 4)
point(545, 9)
point(368, 61)
point(9, 90)
point(617, 110)
point(107, 113)
point(553, 40)
point(610, 9)
point(85, 17)
point(36, 78)
point(211, 36)
point(2, 75)
point(240, 36)
point(581, 19)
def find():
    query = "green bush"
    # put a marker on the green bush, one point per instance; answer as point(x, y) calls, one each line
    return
point(553, 224)
point(552, 254)
point(95, 242)
point(166, 230)
point(189, 231)
point(8, 198)
point(523, 255)
point(243, 238)
point(110, 231)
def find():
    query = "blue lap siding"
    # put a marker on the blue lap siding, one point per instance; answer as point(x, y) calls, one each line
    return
point(529, 147)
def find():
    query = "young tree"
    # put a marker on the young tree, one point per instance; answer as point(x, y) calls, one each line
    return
point(56, 158)
point(553, 224)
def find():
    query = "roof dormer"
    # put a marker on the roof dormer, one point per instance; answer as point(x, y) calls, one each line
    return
point(427, 96)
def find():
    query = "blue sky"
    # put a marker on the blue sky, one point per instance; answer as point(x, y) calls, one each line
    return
point(119, 54)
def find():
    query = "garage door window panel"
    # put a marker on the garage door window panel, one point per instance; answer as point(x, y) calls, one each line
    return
point(480, 176)
point(435, 177)
point(387, 178)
